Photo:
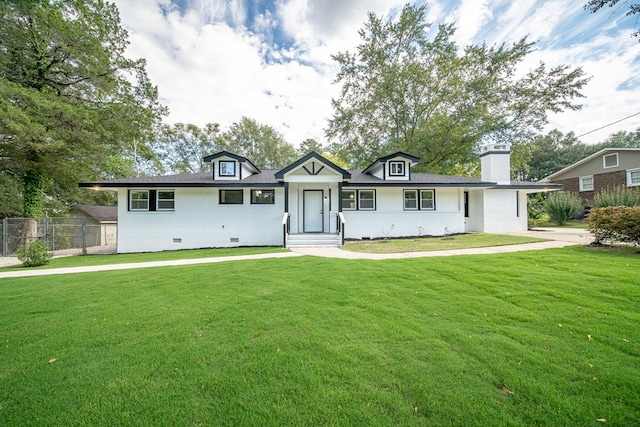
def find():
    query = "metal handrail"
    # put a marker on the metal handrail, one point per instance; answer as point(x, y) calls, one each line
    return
point(285, 228)
point(341, 222)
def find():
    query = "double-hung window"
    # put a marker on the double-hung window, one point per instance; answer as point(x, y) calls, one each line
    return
point(362, 200)
point(349, 200)
point(411, 200)
point(633, 177)
point(367, 200)
point(151, 200)
point(139, 200)
point(586, 183)
point(419, 200)
point(427, 200)
point(166, 200)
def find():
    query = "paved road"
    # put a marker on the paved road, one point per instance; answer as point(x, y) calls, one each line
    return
point(559, 237)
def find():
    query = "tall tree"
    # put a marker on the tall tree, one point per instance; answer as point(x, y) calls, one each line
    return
point(402, 90)
point(595, 5)
point(180, 147)
point(259, 143)
point(71, 101)
point(543, 155)
point(309, 145)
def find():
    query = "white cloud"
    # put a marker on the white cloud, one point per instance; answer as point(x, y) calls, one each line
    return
point(610, 62)
point(470, 17)
point(210, 68)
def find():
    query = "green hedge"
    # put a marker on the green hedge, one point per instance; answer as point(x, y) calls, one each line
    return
point(615, 224)
point(617, 195)
point(563, 206)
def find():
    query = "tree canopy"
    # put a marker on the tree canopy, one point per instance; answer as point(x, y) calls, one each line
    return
point(547, 154)
point(180, 147)
point(72, 104)
point(404, 91)
point(259, 143)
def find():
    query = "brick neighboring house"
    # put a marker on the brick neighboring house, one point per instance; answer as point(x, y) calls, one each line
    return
point(607, 167)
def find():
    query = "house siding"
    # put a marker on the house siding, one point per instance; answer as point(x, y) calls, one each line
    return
point(600, 182)
point(391, 220)
point(199, 221)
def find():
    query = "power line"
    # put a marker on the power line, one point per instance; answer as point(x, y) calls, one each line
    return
point(610, 124)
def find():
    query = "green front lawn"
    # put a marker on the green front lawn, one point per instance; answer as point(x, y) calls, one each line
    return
point(90, 260)
point(530, 338)
point(459, 241)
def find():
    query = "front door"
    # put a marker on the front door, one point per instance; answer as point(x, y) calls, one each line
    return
point(313, 211)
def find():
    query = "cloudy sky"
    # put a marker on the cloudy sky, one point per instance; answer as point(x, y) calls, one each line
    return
point(270, 60)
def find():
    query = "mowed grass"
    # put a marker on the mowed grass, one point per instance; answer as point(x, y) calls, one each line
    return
point(91, 260)
point(458, 241)
point(531, 338)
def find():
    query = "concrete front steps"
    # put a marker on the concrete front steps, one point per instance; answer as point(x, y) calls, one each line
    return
point(313, 240)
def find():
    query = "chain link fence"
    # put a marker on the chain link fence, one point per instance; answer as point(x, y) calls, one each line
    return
point(57, 234)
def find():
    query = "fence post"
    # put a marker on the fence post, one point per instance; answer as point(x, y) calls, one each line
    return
point(5, 235)
point(84, 236)
point(45, 234)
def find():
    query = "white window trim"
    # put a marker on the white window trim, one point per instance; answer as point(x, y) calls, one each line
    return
point(131, 208)
point(360, 208)
point(355, 200)
point(404, 200)
point(433, 199)
point(158, 208)
point(396, 164)
point(604, 161)
point(581, 183)
point(629, 183)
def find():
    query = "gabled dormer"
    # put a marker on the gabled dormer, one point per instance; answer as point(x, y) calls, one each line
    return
point(394, 167)
point(313, 168)
point(230, 167)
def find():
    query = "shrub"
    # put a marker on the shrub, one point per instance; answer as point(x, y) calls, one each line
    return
point(615, 224)
point(535, 209)
point(616, 195)
point(34, 254)
point(563, 206)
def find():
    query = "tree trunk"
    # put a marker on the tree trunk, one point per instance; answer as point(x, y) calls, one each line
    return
point(29, 232)
point(33, 194)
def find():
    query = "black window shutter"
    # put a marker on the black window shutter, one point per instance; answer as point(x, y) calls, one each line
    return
point(128, 200)
point(152, 200)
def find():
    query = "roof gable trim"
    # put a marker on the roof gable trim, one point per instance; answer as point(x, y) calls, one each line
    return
point(313, 171)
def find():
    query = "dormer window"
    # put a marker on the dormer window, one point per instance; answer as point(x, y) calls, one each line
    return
point(396, 168)
point(227, 168)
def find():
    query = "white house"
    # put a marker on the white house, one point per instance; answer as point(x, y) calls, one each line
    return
point(313, 202)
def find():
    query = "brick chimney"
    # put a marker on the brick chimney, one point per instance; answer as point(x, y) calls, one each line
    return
point(495, 163)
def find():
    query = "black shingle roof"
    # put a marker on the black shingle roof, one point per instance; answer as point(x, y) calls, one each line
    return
point(267, 178)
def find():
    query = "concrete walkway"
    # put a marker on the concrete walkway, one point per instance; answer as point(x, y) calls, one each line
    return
point(558, 238)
